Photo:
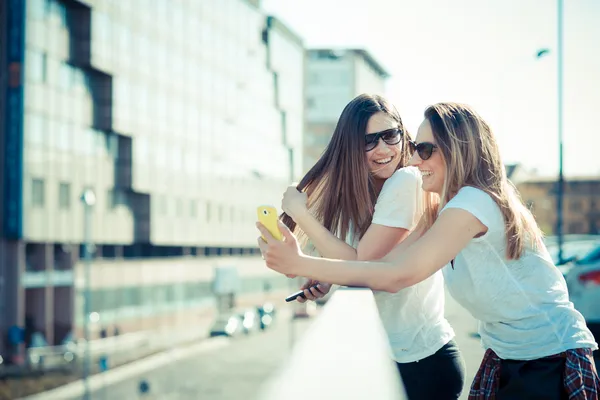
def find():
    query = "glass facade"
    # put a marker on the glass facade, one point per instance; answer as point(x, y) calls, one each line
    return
point(173, 103)
point(182, 116)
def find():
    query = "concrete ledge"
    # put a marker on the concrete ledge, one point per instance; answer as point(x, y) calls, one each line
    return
point(344, 355)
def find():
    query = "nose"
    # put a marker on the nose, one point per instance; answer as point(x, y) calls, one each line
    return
point(415, 160)
point(382, 146)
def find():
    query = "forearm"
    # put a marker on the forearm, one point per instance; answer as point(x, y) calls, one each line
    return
point(391, 274)
point(324, 241)
point(374, 275)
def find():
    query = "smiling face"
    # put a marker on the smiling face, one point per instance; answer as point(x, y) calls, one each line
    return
point(433, 168)
point(383, 160)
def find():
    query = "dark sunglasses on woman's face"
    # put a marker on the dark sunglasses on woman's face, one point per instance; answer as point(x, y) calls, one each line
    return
point(424, 149)
point(389, 136)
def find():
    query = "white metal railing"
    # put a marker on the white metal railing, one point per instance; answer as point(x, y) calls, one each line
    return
point(343, 355)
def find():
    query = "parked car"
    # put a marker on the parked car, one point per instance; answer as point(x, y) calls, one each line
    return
point(250, 320)
point(227, 324)
point(572, 250)
point(267, 315)
point(583, 282)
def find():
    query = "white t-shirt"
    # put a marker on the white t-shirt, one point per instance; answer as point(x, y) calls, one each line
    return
point(413, 317)
point(523, 305)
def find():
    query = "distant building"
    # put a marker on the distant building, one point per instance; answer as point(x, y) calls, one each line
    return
point(581, 207)
point(334, 77)
point(181, 116)
point(287, 57)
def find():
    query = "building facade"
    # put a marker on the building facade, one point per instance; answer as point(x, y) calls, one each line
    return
point(181, 116)
point(334, 77)
point(581, 206)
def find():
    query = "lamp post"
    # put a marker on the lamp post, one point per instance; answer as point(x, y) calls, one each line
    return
point(88, 199)
point(559, 80)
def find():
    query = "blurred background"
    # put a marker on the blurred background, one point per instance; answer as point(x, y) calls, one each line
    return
point(138, 137)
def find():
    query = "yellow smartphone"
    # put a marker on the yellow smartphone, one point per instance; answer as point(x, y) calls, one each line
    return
point(267, 215)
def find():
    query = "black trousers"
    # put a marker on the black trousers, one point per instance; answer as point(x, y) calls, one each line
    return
point(540, 379)
point(440, 376)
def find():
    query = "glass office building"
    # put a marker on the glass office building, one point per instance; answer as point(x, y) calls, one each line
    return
point(180, 115)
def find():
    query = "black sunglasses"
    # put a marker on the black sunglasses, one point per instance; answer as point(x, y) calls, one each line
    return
point(424, 149)
point(389, 136)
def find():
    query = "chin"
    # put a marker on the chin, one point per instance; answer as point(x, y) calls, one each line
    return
point(386, 173)
point(428, 188)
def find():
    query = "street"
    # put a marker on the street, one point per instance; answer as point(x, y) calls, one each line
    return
point(233, 371)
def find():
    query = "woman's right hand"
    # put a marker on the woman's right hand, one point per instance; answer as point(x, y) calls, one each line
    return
point(312, 293)
point(294, 202)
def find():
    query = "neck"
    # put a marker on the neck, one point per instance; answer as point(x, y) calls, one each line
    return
point(378, 185)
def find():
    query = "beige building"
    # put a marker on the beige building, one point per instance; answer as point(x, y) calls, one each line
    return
point(581, 206)
point(333, 78)
point(181, 116)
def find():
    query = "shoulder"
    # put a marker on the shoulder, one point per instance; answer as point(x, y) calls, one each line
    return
point(404, 178)
point(477, 202)
point(470, 194)
point(399, 204)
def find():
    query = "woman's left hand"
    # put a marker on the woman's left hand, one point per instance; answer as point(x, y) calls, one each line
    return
point(281, 256)
point(294, 202)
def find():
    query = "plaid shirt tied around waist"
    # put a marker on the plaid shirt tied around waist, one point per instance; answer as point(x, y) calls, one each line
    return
point(580, 379)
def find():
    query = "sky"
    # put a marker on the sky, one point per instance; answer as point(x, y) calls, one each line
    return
point(479, 52)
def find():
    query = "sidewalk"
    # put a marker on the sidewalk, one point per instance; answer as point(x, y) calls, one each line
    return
point(132, 348)
point(77, 389)
point(131, 372)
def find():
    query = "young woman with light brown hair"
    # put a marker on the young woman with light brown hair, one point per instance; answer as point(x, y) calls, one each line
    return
point(494, 262)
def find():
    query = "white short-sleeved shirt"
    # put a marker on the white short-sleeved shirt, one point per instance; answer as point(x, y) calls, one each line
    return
point(523, 305)
point(413, 317)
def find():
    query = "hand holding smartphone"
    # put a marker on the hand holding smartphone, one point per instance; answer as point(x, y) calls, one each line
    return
point(267, 215)
point(299, 293)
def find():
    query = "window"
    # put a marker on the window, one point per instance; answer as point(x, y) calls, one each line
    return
point(116, 198)
point(34, 128)
point(38, 9)
point(193, 208)
point(64, 196)
point(178, 208)
point(37, 66)
point(58, 12)
point(576, 227)
point(112, 144)
point(208, 211)
point(161, 204)
point(37, 192)
point(66, 76)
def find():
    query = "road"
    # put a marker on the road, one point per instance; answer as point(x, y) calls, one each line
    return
point(233, 371)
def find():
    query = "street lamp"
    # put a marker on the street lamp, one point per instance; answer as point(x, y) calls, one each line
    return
point(88, 199)
point(559, 80)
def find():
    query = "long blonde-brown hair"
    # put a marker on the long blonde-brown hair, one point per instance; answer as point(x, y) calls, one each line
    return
point(340, 187)
point(472, 158)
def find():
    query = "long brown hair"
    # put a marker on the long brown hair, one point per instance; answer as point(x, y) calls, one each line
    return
point(340, 187)
point(472, 158)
